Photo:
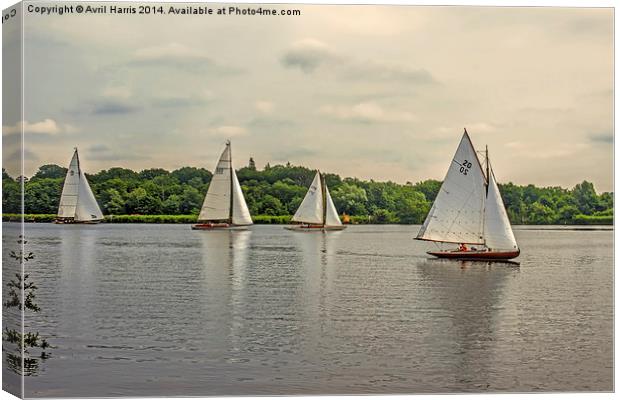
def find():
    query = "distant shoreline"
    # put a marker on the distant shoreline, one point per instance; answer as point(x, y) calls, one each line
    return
point(265, 220)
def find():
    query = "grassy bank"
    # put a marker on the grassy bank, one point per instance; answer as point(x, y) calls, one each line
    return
point(258, 219)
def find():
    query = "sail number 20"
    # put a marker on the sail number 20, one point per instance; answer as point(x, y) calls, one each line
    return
point(465, 167)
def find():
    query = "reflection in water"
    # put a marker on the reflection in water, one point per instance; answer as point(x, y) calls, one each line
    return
point(469, 295)
point(79, 262)
point(317, 268)
point(161, 310)
point(225, 261)
point(23, 347)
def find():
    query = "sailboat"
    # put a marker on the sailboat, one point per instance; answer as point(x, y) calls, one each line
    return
point(77, 201)
point(468, 210)
point(224, 206)
point(317, 210)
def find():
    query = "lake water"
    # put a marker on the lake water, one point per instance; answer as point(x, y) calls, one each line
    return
point(163, 310)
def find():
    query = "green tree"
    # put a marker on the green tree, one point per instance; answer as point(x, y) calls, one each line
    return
point(140, 202)
point(412, 209)
point(11, 194)
point(271, 206)
point(541, 214)
point(115, 203)
point(42, 196)
point(382, 216)
point(52, 171)
point(172, 205)
point(350, 199)
point(191, 201)
point(585, 197)
point(152, 173)
point(429, 188)
point(185, 174)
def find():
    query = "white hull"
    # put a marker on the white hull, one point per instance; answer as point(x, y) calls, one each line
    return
point(72, 221)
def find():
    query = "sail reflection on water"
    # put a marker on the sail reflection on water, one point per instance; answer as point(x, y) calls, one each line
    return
point(457, 291)
point(225, 261)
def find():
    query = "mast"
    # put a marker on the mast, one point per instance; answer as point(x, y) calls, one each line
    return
point(486, 159)
point(324, 198)
point(230, 213)
point(79, 176)
point(486, 194)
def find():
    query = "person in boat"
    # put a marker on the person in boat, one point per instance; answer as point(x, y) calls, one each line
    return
point(463, 247)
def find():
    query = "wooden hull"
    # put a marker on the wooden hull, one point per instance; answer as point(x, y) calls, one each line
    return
point(315, 228)
point(218, 227)
point(476, 255)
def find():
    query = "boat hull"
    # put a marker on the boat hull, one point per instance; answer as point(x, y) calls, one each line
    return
point(72, 221)
point(476, 255)
point(315, 228)
point(218, 227)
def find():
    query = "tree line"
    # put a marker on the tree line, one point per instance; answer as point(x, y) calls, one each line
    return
point(278, 190)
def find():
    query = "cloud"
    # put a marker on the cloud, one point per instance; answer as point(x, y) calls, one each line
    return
point(113, 107)
point(308, 55)
point(265, 107)
point(179, 56)
point(98, 148)
point(119, 92)
point(366, 112)
point(515, 145)
point(228, 131)
point(48, 126)
point(102, 152)
point(536, 152)
point(289, 154)
point(169, 50)
point(387, 71)
point(16, 156)
point(602, 137)
point(183, 100)
point(481, 127)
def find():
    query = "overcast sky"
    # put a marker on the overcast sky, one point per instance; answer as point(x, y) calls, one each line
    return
point(379, 92)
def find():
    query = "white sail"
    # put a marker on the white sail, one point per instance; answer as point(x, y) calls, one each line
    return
point(77, 200)
point(240, 214)
point(457, 213)
point(331, 217)
point(87, 208)
point(497, 231)
point(311, 208)
point(216, 205)
point(69, 196)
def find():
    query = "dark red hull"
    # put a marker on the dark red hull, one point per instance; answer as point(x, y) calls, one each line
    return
point(476, 255)
point(217, 226)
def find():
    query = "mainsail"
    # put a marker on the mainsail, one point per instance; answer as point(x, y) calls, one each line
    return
point(77, 200)
point(457, 213)
point(224, 200)
point(317, 206)
point(310, 210)
point(468, 207)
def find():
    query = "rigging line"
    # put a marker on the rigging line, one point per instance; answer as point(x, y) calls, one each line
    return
point(454, 160)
